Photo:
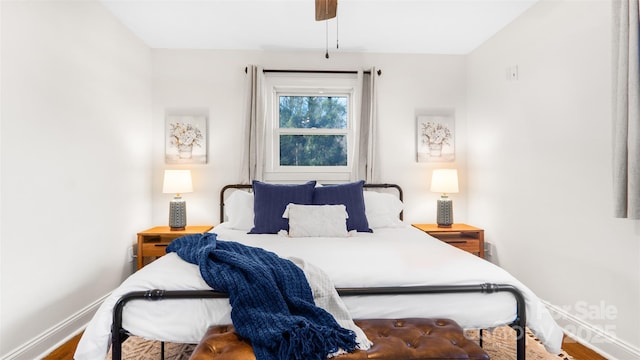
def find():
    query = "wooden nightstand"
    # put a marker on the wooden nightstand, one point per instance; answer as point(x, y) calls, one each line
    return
point(152, 243)
point(462, 236)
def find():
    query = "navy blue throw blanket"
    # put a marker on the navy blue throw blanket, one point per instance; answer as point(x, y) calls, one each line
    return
point(271, 302)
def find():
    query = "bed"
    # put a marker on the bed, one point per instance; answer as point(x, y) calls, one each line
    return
point(394, 271)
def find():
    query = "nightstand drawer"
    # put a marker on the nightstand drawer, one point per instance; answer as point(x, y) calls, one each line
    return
point(155, 249)
point(462, 236)
point(470, 245)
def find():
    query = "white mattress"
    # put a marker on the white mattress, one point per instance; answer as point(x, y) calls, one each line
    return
point(402, 256)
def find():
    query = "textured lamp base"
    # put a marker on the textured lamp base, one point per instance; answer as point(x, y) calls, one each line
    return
point(445, 212)
point(177, 214)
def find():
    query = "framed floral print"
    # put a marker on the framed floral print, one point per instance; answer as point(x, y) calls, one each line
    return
point(435, 140)
point(186, 139)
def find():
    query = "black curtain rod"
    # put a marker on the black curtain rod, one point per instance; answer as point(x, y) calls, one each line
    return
point(379, 72)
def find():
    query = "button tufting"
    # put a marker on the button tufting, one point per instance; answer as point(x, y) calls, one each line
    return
point(437, 342)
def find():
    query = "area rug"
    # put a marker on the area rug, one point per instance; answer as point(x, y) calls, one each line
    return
point(499, 344)
point(136, 348)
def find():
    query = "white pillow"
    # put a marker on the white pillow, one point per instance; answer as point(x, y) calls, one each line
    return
point(239, 210)
point(317, 220)
point(382, 209)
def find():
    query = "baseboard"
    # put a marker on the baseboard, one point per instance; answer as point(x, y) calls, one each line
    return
point(592, 336)
point(52, 338)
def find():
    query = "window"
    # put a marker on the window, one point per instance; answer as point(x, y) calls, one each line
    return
point(310, 126)
point(313, 130)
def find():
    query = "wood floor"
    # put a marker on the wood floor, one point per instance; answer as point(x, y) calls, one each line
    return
point(573, 348)
point(65, 352)
point(579, 351)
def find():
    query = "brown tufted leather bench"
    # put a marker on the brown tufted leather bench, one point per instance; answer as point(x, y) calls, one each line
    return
point(402, 339)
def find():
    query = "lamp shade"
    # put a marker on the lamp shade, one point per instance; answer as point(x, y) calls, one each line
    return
point(444, 181)
point(177, 182)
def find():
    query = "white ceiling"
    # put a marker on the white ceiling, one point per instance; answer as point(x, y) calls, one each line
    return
point(386, 26)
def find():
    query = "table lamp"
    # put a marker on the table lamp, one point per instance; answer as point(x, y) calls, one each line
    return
point(177, 182)
point(445, 181)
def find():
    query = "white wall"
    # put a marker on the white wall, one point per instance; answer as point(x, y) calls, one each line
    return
point(213, 80)
point(539, 169)
point(75, 165)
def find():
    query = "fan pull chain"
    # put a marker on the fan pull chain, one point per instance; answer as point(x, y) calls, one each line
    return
point(337, 33)
point(326, 44)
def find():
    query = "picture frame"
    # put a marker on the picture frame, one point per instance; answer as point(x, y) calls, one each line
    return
point(186, 138)
point(435, 138)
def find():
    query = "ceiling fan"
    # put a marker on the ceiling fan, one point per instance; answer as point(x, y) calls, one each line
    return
point(326, 9)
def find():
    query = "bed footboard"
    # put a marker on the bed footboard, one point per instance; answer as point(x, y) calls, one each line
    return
point(118, 334)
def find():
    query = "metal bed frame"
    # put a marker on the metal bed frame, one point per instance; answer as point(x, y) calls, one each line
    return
point(119, 334)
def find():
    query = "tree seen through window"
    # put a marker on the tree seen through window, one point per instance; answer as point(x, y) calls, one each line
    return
point(322, 123)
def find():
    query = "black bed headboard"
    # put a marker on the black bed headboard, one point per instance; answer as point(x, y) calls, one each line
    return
point(248, 186)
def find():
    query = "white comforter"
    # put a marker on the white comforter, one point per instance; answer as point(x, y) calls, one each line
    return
point(401, 256)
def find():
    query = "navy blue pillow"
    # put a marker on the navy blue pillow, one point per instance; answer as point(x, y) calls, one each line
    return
point(349, 195)
point(269, 203)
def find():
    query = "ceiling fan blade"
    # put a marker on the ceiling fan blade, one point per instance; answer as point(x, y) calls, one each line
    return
point(326, 9)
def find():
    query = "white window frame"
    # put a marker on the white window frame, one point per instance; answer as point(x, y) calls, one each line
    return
point(307, 84)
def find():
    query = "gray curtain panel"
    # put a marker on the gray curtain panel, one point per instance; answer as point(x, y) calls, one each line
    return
point(626, 109)
point(367, 137)
point(253, 156)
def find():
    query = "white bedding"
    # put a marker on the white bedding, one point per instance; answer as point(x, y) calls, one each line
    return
point(402, 256)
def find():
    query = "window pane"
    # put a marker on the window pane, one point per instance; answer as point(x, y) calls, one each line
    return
point(313, 150)
point(321, 112)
